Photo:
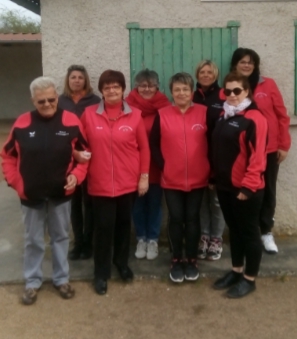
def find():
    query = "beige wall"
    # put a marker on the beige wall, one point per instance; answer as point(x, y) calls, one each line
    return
point(19, 65)
point(93, 33)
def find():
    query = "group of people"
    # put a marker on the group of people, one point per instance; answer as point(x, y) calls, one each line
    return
point(214, 152)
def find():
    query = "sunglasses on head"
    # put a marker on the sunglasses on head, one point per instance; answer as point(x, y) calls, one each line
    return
point(235, 90)
point(50, 101)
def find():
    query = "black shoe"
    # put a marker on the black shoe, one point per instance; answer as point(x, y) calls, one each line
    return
point(100, 286)
point(231, 278)
point(75, 253)
point(191, 270)
point(176, 271)
point(125, 272)
point(86, 253)
point(241, 289)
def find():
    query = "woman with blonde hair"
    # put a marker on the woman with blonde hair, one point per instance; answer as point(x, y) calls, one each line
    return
point(209, 94)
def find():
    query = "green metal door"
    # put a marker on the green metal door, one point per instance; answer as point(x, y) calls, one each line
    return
point(171, 50)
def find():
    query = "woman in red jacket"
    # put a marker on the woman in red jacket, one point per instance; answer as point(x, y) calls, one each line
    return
point(238, 163)
point(270, 102)
point(179, 147)
point(118, 168)
point(147, 211)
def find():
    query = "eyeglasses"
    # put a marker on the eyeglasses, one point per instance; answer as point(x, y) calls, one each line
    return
point(50, 101)
point(235, 90)
point(109, 88)
point(246, 63)
point(147, 86)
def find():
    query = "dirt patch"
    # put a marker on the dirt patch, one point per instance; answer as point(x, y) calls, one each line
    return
point(152, 309)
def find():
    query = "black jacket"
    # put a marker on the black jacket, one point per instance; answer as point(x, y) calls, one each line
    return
point(67, 104)
point(213, 99)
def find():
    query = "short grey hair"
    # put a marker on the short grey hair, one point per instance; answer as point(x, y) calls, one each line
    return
point(151, 77)
point(184, 78)
point(42, 83)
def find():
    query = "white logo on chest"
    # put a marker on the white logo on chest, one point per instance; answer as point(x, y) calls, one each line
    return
point(62, 133)
point(260, 95)
point(32, 134)
point(125, 128)
point(234, 124)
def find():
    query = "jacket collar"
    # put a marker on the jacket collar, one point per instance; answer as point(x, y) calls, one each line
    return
point(126, 109)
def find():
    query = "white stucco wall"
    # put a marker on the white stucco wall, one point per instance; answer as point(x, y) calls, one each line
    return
point(19, 65)
point(93, 33)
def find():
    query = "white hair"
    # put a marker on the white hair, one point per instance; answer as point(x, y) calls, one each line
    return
point(42, 83)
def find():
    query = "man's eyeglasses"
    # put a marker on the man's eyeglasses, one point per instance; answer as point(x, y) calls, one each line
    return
point(235, 90)
point(43, 101)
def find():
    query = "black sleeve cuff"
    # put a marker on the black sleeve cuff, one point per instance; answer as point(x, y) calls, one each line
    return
point(246, 192)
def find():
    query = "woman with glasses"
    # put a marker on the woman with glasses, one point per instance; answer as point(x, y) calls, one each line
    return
point(209, 94)
point(147, 211)
point(270, 102)
point(118, 170)
point(178, 143)
point(238, 163)
point(78, 94)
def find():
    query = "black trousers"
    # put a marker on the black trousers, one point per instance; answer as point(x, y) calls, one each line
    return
point(184, 221)
point(242, 218)
point(112, 228)
point(269, 201)
point(82, 217)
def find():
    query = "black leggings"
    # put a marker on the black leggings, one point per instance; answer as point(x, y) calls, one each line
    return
point(184, 221)
point(112, 226)
point(269, 201)
point(242, 218)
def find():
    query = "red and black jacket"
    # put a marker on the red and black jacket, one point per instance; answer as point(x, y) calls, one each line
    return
point(37, 157)
point(239, 152)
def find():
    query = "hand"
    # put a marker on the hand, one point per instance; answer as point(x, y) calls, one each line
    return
point(71, 182)
point(281, 156)
point(242, 196)
point(143, 186)
point(82, 156)
point(211, 186)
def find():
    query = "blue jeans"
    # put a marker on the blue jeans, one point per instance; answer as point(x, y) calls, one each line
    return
point(211, 216)
point(147, 214)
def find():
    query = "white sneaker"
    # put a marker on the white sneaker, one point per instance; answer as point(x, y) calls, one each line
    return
point(152, 250)
point(269, 243)
point(141, 249)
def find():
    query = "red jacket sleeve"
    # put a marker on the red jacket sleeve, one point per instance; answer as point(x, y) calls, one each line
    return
point(144, 149)
point(255, 139)
point(284, 139)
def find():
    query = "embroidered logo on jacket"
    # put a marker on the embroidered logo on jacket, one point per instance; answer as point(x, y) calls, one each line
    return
point(99, 127)
point(197, 127)
point(62, 133)
point(125, 128)
point(32, 134)
point(260, 95)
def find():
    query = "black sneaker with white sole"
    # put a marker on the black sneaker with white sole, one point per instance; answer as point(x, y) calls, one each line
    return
point(176, 271)
point(191, 270)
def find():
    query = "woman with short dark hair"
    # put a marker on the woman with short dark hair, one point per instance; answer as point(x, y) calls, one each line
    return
point(178, 143)
point(118, 169)
point(238, 163)
point(269, 100)
point(147, 211)
point(77, 95)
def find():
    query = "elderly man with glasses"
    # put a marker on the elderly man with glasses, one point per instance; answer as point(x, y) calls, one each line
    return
point(38, 164)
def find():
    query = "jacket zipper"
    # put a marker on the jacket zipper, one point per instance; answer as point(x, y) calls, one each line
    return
point(186, 172)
